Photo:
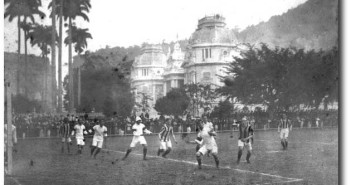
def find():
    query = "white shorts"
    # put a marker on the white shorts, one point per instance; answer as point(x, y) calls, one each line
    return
point(80, 141)
point(165, 144)
point(97, 143)
point(68, 139)
point(208, 148)
point(284, 133)
point(248, 145)
point(138, 139)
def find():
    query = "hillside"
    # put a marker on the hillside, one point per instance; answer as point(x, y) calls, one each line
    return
point(312, 25)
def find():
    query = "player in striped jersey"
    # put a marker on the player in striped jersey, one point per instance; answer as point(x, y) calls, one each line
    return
point(65, 132)
point(245, 139)
point(284, 127)
point(165, 141)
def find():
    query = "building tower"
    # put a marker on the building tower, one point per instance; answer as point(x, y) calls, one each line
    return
point(147, 75)
point(211, 47)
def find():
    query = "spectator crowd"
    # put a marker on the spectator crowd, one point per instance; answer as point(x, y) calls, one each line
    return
point(48, 125)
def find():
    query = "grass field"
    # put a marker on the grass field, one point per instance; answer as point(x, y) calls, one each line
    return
point(312, 158)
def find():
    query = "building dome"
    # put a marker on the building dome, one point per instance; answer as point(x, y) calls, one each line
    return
point(151, 55)
point(211, 29)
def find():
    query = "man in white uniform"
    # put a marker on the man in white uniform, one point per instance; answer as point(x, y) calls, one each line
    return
point(79, 131)
point(208, 144)
point(138, 131)
point(208, 123)
point(100, 131)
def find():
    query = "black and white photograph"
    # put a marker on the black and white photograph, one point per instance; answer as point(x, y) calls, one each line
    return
point(182, 92)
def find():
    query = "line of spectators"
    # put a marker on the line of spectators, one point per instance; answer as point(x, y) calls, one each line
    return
point(47, 125)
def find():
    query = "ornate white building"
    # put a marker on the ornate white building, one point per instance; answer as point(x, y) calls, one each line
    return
point(210, 49)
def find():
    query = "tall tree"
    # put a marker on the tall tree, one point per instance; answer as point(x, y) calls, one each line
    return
point(53, 53)
point(71, 10)
point(57, 10)
point(79, 39)
point(26, 9)
point(41, 36)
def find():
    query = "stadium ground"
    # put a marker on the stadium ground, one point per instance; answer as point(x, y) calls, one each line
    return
point(312, 158)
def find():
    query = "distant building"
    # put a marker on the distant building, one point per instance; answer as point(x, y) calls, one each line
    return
point(147, 74)
point(210, 49)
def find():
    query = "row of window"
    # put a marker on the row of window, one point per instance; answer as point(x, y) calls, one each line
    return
point(206, 53)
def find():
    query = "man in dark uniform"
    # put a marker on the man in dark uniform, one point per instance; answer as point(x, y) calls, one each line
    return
point(283, 128)
point(245, 139)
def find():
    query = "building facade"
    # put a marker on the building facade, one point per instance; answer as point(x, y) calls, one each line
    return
point(210, 49)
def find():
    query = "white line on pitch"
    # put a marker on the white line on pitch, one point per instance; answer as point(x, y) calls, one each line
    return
point(298, 142)
point(17, 182)
point(273, 151)
point(239, 170)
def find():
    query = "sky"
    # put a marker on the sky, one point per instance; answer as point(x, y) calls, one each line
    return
point(128, 23)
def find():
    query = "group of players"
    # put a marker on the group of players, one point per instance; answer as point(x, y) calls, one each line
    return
point(205, 140)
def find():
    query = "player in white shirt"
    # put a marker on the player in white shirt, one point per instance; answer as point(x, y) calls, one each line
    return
point(208, 123)
point(138, 132)
point(79, 131)
point(208, 144)
point(100, 131)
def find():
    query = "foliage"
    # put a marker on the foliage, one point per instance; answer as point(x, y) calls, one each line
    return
point(282, 78)
point(144, 103)
point(103, 90)
point(200, 96)
point(22, 104)
point(41, 36)
point(223, 110)
point(311, 25)
point(79, 38)
point(23, 8)
point(174, 103)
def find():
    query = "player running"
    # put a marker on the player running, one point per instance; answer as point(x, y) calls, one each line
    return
point(138, 131)
point(65, 131)
point(165, 141)
point(79, 131)
point(208, 144)
point(284, 127)
point(100, 131)
point(245, 139)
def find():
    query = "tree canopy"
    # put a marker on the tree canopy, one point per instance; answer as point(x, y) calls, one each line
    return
point(283, 78)
point(174, 103)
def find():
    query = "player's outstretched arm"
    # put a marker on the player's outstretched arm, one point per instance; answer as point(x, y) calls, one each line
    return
point(146, 131)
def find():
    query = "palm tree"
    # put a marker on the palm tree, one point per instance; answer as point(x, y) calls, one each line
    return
point(70, 9)
point(53, 52)
point(79, 38)
point(42, 37)
point(57, 6)
point(26, 9)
